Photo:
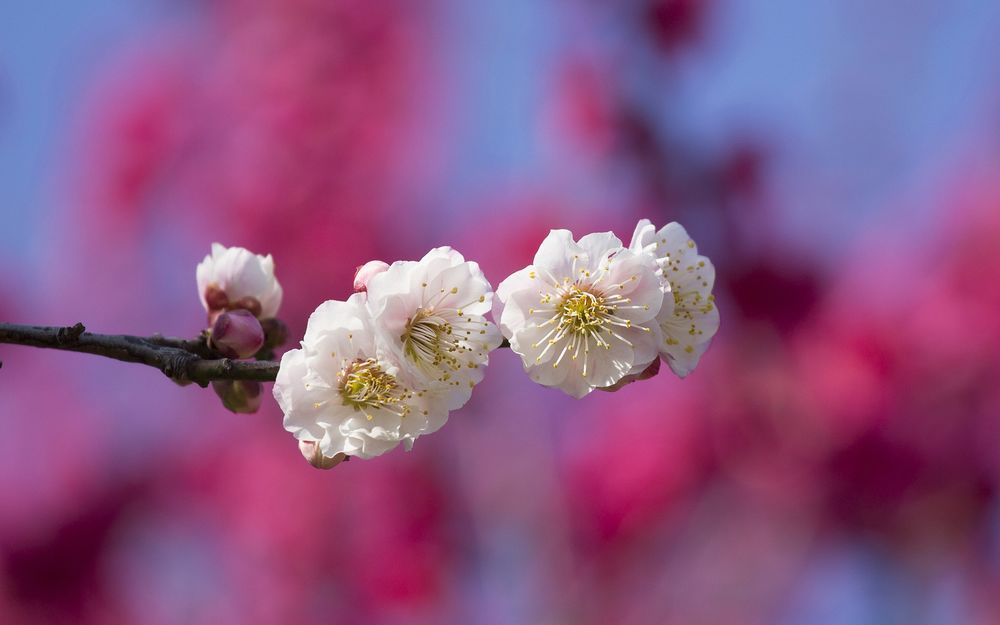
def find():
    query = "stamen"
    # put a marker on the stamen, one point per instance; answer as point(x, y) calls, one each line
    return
point(366, 387)
point(438, 341)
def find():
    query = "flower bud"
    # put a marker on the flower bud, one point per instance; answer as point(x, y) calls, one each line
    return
point(366, 272)
point(213, 316)
point(234, 277)
point(312, 453)
point(237, 334)
point(240, 396)
point(645, 374)
point(275, 332)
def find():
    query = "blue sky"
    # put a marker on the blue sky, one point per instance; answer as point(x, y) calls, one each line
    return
point(864, 99)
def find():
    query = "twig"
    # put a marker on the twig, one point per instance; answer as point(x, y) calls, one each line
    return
point(179, 359)
point(182, 360)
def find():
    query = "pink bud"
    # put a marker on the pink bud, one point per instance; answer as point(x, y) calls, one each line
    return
point(366, 272)
point(645, 374)
point(239, 395)
point(237, 334)
point(311, 452)
point(213, 316)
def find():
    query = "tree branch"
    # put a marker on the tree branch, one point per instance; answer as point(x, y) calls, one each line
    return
point(179, 359)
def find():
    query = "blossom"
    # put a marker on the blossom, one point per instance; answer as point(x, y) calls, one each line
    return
point(339, 392)
point(581, 316)
point(234, 278)
point(430, 316)
point(688, 326)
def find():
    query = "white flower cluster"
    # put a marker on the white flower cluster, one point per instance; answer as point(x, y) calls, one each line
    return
point(592, 314)
point(387, 365)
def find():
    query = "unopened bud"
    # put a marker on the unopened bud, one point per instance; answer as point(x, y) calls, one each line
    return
point(312, 453)
point(366, 272)
point(215, 298)
point(275, 332)
point(645, 374)
point(213, 316)
point(241, 396)
point(237, 334)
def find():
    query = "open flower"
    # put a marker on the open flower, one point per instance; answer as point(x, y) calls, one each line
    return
point(581, 315)
point(338, 392)
point(688, 326)
point(429, 316)
point(233, 278)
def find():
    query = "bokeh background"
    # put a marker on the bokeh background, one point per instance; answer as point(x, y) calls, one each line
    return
point(834, 460)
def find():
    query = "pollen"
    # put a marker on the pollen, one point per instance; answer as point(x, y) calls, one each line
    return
point(366, 387)
point(582, 312)
point(438, 341)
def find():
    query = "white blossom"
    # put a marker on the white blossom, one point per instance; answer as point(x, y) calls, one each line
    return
point(688, 326)
point(429, 316)
point(339, 392)
point(234, 277)
point(581, 316)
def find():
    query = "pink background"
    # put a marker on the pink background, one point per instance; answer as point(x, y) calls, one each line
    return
point(835, 459)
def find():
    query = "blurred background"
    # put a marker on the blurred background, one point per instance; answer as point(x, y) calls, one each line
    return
point(834, 460)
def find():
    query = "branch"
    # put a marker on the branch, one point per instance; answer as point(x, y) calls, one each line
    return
point(180, 360)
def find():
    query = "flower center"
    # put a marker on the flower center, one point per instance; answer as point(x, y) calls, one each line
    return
point(582, 312)
point(365, 386)
point(583, 318)
point(430, 341)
